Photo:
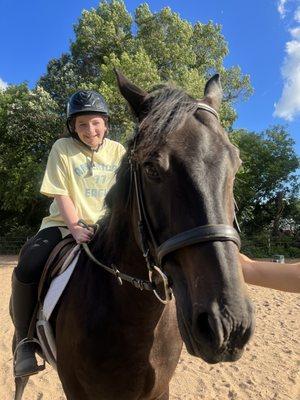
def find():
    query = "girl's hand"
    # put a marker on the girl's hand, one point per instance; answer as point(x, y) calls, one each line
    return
point(81, 235)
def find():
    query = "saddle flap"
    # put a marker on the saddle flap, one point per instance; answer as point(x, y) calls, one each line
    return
point(56, 260)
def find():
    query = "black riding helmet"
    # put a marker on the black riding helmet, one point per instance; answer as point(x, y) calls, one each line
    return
point(85, 102)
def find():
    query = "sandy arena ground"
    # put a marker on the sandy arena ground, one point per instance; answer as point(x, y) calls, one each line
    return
point(269, 368)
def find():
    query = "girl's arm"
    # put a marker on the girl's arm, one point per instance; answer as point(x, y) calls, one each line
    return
point(69, 214)
point(285, 277)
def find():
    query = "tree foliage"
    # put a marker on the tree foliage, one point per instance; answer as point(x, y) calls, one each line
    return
point(150, 48)
point(61, 80)
point(267, 184)
point(29, 122)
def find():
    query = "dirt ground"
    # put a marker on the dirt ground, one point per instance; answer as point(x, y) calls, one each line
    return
point(268, 370)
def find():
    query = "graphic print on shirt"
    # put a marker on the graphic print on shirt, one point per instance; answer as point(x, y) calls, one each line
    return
point(94, 176)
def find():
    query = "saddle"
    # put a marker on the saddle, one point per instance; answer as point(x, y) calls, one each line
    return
point(57, 272)
point(56, 264)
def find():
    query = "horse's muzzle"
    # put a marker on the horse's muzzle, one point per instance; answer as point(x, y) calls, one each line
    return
point(217, 336)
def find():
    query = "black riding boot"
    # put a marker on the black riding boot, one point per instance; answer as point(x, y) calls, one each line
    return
point(23, 301)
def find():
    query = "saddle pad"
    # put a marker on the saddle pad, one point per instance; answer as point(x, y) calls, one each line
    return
point(58, 285)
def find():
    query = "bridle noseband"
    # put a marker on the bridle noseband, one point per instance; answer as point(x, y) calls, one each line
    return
point(155, 258)
point(200, 234)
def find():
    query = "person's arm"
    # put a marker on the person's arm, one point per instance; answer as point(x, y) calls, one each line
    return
point(69, 214)
point(285, 277)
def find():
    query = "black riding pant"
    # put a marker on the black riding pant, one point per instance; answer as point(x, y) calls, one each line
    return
point(35, 253)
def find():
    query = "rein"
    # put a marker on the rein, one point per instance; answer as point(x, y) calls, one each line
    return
point(136, 282)
point(199, 234)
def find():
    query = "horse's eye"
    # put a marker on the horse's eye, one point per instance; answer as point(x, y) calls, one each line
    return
point(151, 171)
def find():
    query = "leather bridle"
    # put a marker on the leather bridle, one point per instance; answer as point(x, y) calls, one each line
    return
point(155, 257)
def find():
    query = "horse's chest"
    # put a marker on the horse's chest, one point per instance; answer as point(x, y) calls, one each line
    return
point(127, 364)
point(117, 358)
point(142, 373)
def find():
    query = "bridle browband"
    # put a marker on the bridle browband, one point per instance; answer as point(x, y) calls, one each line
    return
point(155, 258)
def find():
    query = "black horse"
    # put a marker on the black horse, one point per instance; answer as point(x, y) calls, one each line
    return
point(170, 212)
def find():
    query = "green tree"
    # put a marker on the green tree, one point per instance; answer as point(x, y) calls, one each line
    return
point(267, 182)
point(29, 123)
point(99, 33)
point(63, 77)
point(150, 48)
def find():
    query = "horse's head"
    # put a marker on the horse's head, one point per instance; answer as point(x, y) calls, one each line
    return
point(186, 168)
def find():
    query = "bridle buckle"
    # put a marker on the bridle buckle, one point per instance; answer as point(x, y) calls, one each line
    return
point(167, 288)
point(117, 274)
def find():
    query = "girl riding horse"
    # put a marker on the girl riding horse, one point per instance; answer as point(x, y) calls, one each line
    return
point(80, 170)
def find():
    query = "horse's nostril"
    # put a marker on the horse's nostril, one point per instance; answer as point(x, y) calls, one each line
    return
point(204, 327)
point(209, 328)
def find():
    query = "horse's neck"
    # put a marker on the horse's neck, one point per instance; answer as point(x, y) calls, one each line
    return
point(118, 246)
point(128, 258)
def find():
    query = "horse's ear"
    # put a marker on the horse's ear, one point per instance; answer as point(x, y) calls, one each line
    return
point(132, 93)
point(213, 92)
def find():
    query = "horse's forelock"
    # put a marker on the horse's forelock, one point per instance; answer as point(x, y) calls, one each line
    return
point(169, 108)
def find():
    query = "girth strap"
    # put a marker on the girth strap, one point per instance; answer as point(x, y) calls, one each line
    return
point(200, 234)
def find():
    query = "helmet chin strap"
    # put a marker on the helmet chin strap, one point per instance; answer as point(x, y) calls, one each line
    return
point(93, 150)
point(92, 158)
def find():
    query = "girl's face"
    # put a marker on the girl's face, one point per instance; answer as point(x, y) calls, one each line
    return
point(91, 129)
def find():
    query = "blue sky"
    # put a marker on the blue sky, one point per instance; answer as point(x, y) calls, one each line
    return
point(263, 38)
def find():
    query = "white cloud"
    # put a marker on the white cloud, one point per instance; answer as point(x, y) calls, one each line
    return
point(295, 32)
point(3, 85)
point(281, 7)
point(288, 105)
point(297, 15)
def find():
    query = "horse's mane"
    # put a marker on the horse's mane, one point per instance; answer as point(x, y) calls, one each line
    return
point(169, 108)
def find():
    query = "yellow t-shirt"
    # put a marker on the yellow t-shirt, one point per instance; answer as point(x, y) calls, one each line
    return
point(70, 172)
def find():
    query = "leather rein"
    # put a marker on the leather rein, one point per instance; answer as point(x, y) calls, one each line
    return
point(154, 261)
